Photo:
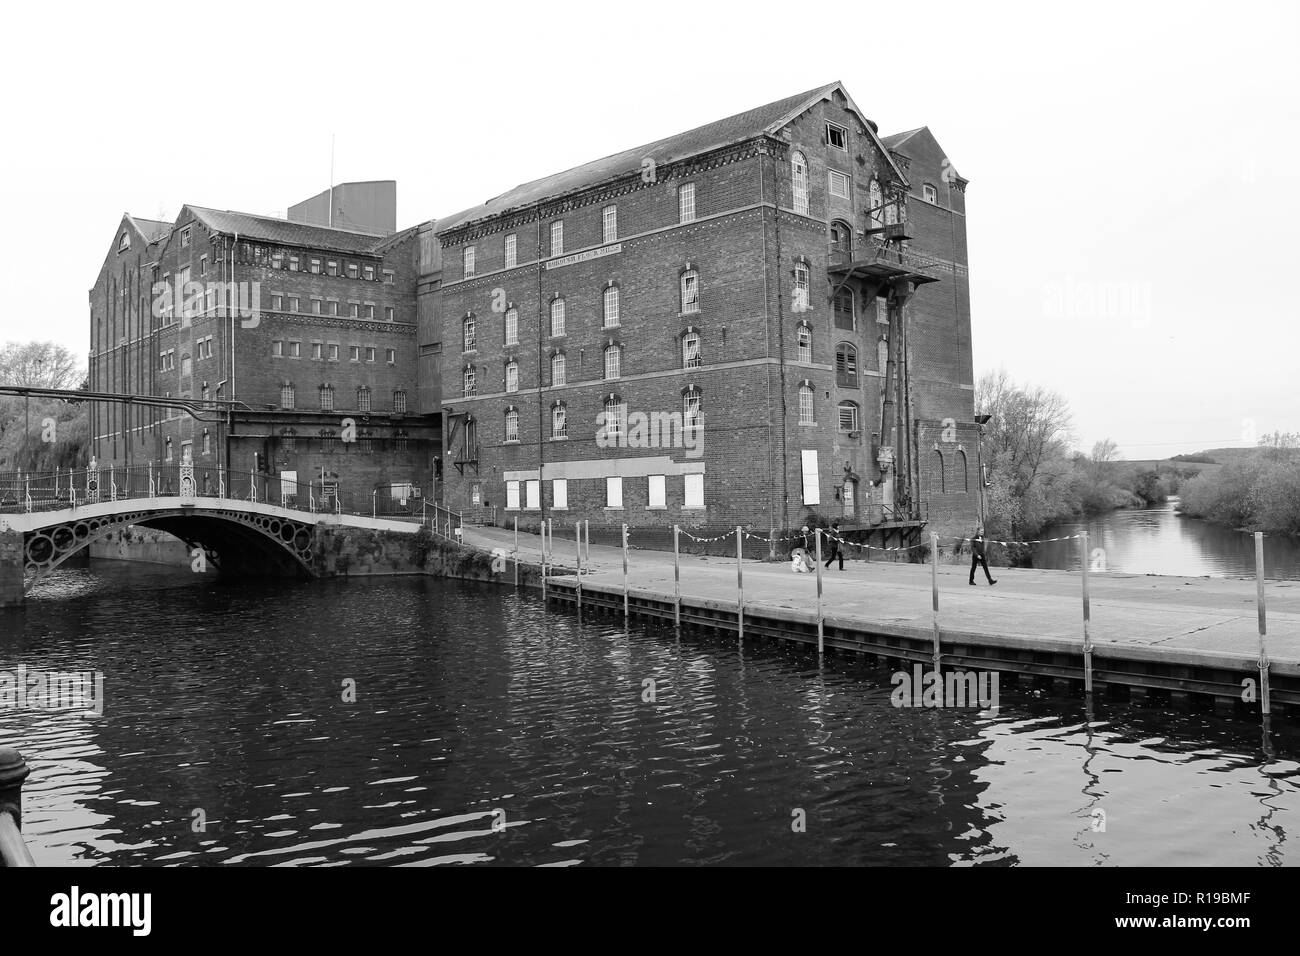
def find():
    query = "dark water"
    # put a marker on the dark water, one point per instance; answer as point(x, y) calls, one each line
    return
point(487, 730)
point(1159, 541)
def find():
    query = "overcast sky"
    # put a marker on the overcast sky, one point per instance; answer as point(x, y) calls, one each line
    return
point(1132, 212)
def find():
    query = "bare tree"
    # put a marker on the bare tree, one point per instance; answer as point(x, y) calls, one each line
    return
point(39, 365)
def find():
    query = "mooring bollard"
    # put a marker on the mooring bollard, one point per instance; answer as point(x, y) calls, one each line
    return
point(625, 612)
point(578, 536)
point(677, 580)
point(821, 640)
point(934, 599)
point(1263, 624)
point(13, 771)
point(740, 585)
point(1086, 557)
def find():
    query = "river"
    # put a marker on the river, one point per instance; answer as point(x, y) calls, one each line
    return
point(1160, 541)
point(486, 729)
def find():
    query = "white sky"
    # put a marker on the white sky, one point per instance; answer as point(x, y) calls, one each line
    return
point(1132, 210)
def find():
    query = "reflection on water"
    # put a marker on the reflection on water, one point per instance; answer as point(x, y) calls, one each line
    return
point(1159, 541)
point(488, 730)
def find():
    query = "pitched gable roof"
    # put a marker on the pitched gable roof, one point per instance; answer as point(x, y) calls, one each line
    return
point(270, 229)
point(896, 140)
point(151, 229)
point(767, 119)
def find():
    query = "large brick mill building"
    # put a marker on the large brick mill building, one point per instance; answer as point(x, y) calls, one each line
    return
point(325, 354)
point(748, 323)
point(744, 324)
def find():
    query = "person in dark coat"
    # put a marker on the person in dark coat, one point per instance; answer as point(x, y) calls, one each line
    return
point(977, 558)
point(834, 539)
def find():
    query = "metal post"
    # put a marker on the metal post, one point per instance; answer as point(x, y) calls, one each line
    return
point(1263, 623)
point(1087, 615)
point(821, 637)
point(677, 581)
point(516, 553)
point(625, 608)
point(934, 601)
point(740, 587)
point(586, 534)
point(13, 771)
point(578, 538)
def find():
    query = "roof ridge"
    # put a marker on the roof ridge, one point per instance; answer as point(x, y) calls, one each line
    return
point(290, 222)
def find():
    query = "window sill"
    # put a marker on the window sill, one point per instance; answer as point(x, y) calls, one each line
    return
point(558, 438)
point(700, 508)
point(656, 507)
point(609, 508)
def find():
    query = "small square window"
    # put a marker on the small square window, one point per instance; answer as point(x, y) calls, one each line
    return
point(839, 184)
point(352, 270)
point(334, 307)
point(293, 303)
point(293, 263)
point(354, 353)
point(277, 349)
point(370, 311)
point(389, 313)
point(369, 273)
point(354, 309)
point(333, 352)
point(392, 356)
point(370, 353)
point(837, 137)
point(315, 267)
point(317, 350)
point(389, 278)
point(295, 350)
point(931, 194)
point(332, 267)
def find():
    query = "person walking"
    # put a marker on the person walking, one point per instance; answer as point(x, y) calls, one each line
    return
point(836, 552)
point(977, 558)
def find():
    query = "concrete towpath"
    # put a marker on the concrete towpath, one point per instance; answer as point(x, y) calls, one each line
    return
point(1204, 616)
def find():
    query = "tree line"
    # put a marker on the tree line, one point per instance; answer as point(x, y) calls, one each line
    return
point(38, 434)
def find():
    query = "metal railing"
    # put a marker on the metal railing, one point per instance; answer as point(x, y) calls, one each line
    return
point(71, 488)
point(13, 771)
point(445, 523)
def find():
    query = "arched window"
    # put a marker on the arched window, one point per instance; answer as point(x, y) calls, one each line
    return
point(614, 417)
point(611, 306)
point(512, 376)
point(557, 317)
point(875, 200)
point(613, 361)
point(799, 301)
point(804, 339)
point(846, 365)
point(799, 181)
point(965, 469)
point(327, 398)
point(844, 313)
point(512, 326)
point(841, 240)
point(850, 497)
point(848, 416)
point(512, 425)
point(806, 413)
point(692, 416)
point(468, 336)
point(559, 424)
point(558, 369)
point(363, 398)
point(937, 478)
point(469, 261)
point(690, 291)
point(286, 395)
point(691, 357)
point(469, 385)
point(124, 243)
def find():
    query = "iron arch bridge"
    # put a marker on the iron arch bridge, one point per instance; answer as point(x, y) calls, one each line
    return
point(242, 524)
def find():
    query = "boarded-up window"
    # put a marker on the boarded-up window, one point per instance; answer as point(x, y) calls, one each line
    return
point(656, 493)
point(533, 489)
point(694, 491)
point(512, 494)
point(613, 492)
point(811, 494)
point(560, 493)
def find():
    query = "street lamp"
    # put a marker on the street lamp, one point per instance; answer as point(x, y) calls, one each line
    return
point(981, 421)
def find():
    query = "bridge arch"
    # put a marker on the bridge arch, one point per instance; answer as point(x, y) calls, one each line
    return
point(235, 541)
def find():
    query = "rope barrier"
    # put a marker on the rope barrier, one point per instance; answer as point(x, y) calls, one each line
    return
point(844, 542)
